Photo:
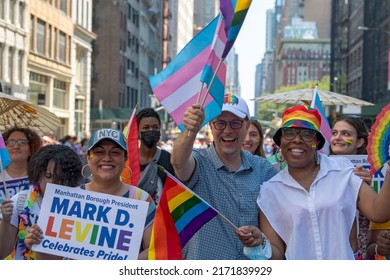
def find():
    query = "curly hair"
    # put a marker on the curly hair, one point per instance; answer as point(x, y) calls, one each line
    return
point(146, 113)
point(361, 131)
point(34, 140)
point(67, 165)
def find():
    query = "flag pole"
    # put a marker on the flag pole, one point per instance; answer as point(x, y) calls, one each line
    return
point(212, 81)
point(3, 179)
point(131, 119)
point(126, 132)
point(197, 101)
point(208, 88)
point(200, 92)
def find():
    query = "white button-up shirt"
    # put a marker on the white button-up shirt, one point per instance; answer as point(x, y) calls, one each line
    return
point(314, 224)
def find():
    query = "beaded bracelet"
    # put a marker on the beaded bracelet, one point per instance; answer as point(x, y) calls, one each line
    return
point(388, 168)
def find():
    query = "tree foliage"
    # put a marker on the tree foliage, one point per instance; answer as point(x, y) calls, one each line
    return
point(267, 111)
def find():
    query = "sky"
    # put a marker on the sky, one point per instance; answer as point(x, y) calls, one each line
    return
point(250, 47)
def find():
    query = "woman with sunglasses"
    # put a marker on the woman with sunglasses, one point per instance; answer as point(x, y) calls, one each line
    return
point(308, 209)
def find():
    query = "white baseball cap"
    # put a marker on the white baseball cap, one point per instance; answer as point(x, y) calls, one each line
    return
point(236, 105)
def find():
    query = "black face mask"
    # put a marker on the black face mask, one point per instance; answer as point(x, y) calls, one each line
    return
point(150, 137)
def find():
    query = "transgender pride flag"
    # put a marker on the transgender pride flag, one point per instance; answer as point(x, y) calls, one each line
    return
point(5, 159)
point(177, 86)
point(325, 127)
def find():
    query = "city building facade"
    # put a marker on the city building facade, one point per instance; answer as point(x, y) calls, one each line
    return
point(14, 29)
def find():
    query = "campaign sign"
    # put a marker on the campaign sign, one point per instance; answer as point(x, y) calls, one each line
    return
point(13, 187)
point(379, 177)
point(81, 224)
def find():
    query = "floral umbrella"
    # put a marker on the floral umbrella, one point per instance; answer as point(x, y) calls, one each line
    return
point(17, 112)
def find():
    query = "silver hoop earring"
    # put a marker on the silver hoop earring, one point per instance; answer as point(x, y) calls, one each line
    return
point(82, 172)
point(131, 174)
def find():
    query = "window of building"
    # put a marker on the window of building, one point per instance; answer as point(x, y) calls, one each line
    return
point(62, 47)
point(21, 14)
point(55, 44)
point(79, 117)
point(69, 48)
point(49, 41)
point(32, 32)
point(2, 9)
point(80, 67)
point(41, 36)
point(63, 5)
point(37, 88)
point(12, 11)
point(59, 94)
point(11, 64)
point(20, 67)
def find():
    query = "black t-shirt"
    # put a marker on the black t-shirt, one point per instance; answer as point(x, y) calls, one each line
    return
point(164, 161)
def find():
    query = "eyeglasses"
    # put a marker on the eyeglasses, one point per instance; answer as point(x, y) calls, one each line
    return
point(20, 142)
point(234, 124)
point(305, 134)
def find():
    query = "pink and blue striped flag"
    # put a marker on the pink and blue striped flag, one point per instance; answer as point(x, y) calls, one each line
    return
point(178, 84)
point(234, 13)
point(4, 156)
point(325, 127)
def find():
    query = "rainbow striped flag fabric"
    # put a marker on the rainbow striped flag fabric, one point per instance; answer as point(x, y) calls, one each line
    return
point(4, 155)
point(179, 215)
point(234, 13)
point(178, 84)
point(325, 127)
point(132, 174)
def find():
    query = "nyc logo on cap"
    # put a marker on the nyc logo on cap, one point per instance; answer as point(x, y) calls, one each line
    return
point(107, 133)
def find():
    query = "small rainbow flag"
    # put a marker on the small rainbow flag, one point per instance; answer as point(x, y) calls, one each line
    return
point(348, 141)
point(4, 155)
point(179, 215)
point(234, 13)
point(381, 258)
point(132, 173)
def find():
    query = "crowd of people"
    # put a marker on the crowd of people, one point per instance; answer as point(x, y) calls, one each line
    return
point(284, 199)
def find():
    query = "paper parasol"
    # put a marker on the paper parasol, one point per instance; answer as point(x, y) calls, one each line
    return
point(379, 141)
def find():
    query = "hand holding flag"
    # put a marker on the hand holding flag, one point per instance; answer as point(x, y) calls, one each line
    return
point(179, 215)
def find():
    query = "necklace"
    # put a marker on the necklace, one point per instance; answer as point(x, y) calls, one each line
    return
point(25, 223)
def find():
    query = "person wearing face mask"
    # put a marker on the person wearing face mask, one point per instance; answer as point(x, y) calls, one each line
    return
point(152, 178)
